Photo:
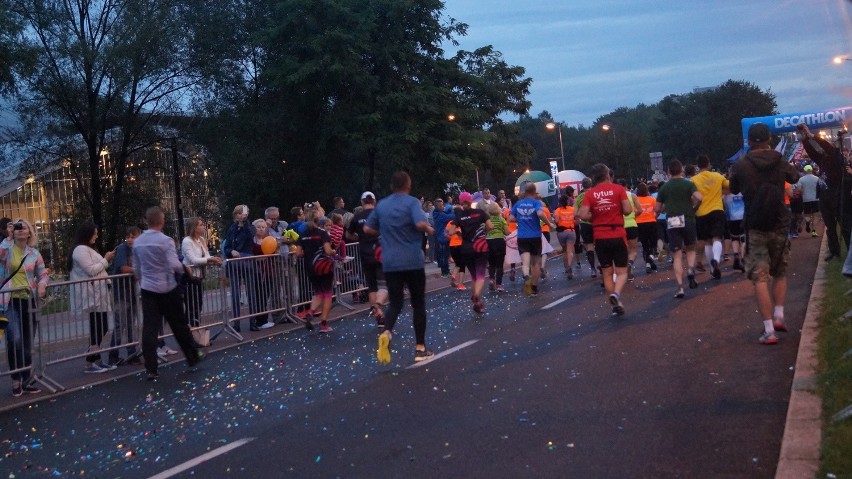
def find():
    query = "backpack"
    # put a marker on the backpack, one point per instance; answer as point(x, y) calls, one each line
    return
point(767, 209)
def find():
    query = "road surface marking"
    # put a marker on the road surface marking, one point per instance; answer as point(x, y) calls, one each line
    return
point(202, 458)
point(443, 353)
point(559, 301)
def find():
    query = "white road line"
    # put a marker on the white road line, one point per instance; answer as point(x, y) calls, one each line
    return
point(443, 353)
point(559, 301)
point(202, 458)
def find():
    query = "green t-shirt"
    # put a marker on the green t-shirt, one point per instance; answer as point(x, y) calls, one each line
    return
point(676, 194)
point(578, 202)
point(499, 224)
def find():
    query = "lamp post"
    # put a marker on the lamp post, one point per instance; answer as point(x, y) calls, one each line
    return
point(840, 59)
point(552, 126)
point(605, 127)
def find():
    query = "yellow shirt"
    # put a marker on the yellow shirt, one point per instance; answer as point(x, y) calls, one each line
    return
point(710, 185)
point(20, 278)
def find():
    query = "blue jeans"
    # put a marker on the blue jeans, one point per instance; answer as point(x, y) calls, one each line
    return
point(19, 338)
point(442, 256)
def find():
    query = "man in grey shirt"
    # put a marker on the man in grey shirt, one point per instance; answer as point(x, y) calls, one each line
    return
point(809, 185)
point(155, 264)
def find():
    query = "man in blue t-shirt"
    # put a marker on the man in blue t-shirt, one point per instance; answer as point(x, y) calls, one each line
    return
point(529, 215)
point(401, 222)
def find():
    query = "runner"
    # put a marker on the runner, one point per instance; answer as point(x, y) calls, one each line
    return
point(710, 217)
point(401, 221)
point(586, 233)
point(646, 220)
point(472, 224)
point(565, 233)
point(678, 198)
point(605, 205)
point(369, 250)
point(527, 212)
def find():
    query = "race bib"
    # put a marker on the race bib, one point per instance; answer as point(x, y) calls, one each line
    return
point(676, 221)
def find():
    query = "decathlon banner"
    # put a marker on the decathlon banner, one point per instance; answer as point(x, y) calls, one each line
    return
point(788, 122)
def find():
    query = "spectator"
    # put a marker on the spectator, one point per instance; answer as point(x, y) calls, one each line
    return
point(124, 299)
point(196, 255)
point(21, 265)
point(238, 244)
point(156, 265)
point(760, 177)
point(92, 295)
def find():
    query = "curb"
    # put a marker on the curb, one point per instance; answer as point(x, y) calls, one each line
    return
point(800, 445)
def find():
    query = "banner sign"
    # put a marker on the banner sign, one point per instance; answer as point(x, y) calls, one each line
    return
point(656, 160)
point(788, 122)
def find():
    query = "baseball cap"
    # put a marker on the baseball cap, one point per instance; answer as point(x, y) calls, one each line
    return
point(367, 194)
point(465, 197)
point(758, 133)
point(809, 168)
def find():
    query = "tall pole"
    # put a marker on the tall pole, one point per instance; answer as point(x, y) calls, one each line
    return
point(561, 148)
point(178, 199)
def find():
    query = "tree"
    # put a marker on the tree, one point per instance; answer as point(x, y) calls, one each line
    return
point(709, 121)
point(102, 72)
point(9, 27)
point(351, 91)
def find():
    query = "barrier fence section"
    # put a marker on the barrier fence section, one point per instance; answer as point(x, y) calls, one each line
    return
point(93, 320)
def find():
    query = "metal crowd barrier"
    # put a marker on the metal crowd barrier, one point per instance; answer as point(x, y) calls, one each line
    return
point(98, 318)
point(22, 360)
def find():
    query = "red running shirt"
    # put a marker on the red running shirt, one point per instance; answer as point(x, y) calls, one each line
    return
point(604, 201)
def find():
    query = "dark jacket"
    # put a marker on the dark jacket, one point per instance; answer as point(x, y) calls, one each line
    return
point(240, 238)
point(754, 169)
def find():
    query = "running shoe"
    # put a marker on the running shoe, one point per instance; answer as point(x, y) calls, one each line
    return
point(768, 338)
point(324, 327)
point(617, 305)
point(814, 234)
point(653, 266)
point(594, 273)
point(779, 325)
point(630, 275)
point(528, 287)
point(491, 285)
point(383, 353)
point(717, 273)
point(679, 294)
point(512, 275)
point(461, 287)
point(534, 290)
point(647, 268)
point(692, 283)
point(422, 355)
point(500, 288)
point(478, 305)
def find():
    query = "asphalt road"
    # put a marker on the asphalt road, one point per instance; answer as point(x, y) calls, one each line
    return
point(676, 388)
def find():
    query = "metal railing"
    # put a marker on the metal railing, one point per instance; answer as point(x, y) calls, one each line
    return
point(95, 319)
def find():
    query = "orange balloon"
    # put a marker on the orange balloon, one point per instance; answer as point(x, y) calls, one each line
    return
point(268, 245)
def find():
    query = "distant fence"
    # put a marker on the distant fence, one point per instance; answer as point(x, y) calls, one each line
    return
point(94, 319)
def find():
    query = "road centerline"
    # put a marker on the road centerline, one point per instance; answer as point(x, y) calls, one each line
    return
point(444, 353)
point(202, 458)
point(558, 301)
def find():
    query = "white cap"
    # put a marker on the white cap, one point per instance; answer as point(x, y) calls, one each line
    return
point(367, 194)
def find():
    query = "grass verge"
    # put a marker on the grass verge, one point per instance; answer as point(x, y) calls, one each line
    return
point(835, 373)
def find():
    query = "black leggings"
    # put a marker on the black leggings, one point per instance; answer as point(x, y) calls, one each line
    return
point(648, 237)
point(496, 257)
point(98, 327)
point(416, 281)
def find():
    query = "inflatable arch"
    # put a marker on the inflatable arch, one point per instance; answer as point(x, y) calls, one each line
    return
point(787, 122)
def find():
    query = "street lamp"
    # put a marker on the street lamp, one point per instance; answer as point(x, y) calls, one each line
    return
point(605, 127)
point(840, 59)
point(552, 126)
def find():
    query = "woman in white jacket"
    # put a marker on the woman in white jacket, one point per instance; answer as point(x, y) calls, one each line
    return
point(195, 254)
point(91, 296)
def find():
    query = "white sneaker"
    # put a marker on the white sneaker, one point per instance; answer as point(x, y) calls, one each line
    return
point(166, 351)
point(266, 325)
point(348, 259)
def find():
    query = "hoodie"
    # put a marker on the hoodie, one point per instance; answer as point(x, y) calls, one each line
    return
point(755, 169)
